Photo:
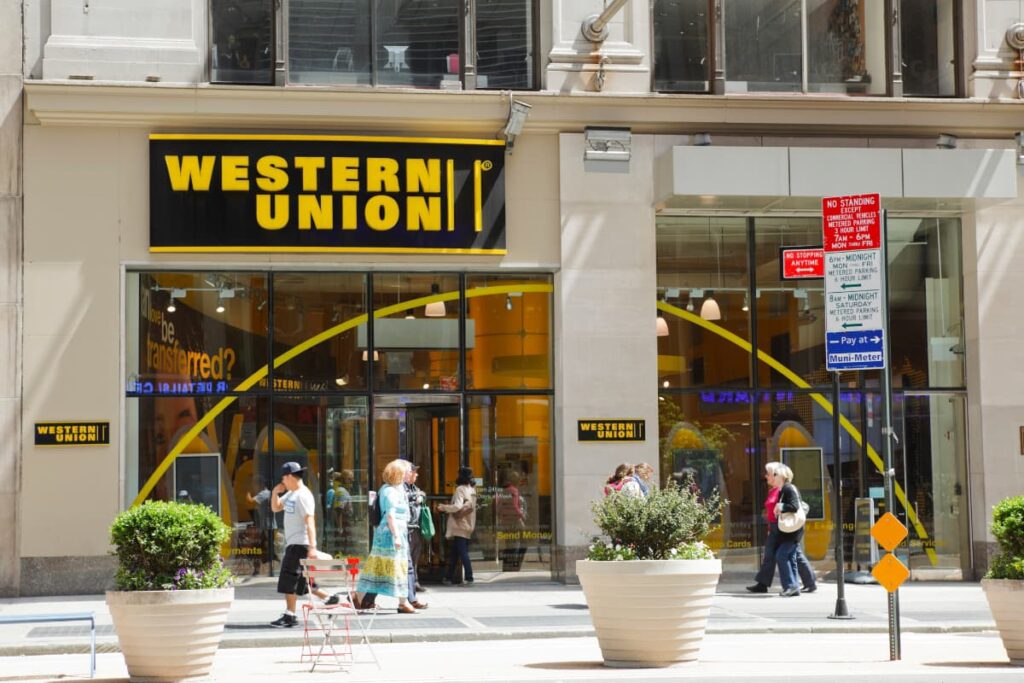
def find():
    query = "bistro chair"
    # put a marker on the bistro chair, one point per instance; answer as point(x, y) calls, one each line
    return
point(329, 629)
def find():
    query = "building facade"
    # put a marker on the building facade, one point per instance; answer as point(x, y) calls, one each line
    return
point(514, 236)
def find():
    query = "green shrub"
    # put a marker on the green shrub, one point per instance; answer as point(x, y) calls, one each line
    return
point(169, 546)
point(1008, 528)
point(670, 523)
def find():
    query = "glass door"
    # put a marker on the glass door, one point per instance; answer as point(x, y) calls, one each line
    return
point(425, 430)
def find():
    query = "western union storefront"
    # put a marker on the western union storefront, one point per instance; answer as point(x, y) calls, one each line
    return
point(226, 301)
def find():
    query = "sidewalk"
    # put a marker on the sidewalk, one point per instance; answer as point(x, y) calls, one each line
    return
point(530, 610)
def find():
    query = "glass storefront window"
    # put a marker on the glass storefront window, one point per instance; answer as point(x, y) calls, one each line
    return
point(510, 448)
point(928, 47)
point(415, 347)
point(195, 333)
point(508, 332)
point(763, 46)
point(241, 49)
point(702, 270)
point(418, 42)
point(712, 443)
point(306, 305)
point(329, 42)
point(504, 45)
point(847, 53)
point(681, 45)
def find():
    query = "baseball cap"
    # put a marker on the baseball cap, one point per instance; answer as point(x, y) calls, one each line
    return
point(292, 468)
point(414, 467)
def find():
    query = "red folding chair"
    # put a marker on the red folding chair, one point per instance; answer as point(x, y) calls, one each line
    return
point(328, 629)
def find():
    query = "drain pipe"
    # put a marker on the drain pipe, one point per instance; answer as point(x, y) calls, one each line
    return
point(595, 27)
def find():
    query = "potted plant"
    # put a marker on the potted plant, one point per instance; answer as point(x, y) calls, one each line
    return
point(172, 590)
point(650, 579)
point(1004, 583)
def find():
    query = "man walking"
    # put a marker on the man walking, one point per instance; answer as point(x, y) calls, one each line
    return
point(416, 500)
point(296, 500)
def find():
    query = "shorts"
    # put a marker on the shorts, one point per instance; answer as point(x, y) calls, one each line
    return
point(291, 580)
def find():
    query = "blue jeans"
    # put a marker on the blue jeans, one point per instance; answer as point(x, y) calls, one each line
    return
point(766, 574)
point(786, 550)
point(459, 550)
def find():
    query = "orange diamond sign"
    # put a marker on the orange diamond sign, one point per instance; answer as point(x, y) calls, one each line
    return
point(888, 531)
point(890, 572)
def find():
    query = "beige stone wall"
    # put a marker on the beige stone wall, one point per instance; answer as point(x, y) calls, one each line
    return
point(10, 289)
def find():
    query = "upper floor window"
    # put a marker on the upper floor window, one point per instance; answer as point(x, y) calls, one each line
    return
point(820, 46)
point(405, 43)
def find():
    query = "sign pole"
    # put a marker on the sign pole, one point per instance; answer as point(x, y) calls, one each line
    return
point(887, 437)
point(841, 611)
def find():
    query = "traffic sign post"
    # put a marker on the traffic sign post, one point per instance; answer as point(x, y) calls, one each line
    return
point(854, 234)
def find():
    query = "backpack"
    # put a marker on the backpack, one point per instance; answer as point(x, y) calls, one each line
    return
point(375, 511)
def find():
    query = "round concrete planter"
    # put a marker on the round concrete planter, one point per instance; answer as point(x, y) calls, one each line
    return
point(169, 635)
point(649, 613)
point(1006, 601)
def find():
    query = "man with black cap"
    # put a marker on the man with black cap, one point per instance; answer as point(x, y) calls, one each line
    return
point(292, 496)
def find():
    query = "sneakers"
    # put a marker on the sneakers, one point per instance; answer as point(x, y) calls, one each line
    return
point(809, 589)
point(758, 588)
point(790, 593)
point(285, 621)
point(333, 599)
point(467, 583)
point(446, 582)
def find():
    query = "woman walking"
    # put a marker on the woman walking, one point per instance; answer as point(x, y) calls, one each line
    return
point(766, 574)
point(623, 481)
point(386, 570)
point(787, 548)
point(461, 523)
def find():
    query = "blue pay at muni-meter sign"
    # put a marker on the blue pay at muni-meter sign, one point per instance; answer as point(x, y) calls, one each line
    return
point(854, 327)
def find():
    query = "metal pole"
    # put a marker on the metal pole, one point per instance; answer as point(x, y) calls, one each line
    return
point(595, 27)
point(887, 432)
point(841, 611)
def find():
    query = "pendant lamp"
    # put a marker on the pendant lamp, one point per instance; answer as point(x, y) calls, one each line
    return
point(435, 309)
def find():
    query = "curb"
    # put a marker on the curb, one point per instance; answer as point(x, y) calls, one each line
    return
point(438, 636)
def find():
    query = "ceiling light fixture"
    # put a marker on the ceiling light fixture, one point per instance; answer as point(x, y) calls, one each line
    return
point(746, 302)
point(175, 294)
point(710, 310)
point(435, 309)
point(508, 302)
point(366, 356)
point(661, 326)
point(607, 144)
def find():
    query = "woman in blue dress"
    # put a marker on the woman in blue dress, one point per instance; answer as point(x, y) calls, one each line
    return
point(386, 570)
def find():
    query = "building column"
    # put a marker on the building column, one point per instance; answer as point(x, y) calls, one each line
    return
point(117, 42)
point(605, 313)
point(620, 63)
point(10, 291)
point(995, 74)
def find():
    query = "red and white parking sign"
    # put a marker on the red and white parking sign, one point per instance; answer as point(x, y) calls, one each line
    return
point(802, 263)
point(852, 222)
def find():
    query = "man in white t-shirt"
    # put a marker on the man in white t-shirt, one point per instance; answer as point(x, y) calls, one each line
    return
point(296, 500)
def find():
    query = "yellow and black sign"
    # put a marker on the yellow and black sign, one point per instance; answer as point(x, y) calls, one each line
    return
point(72, 433)
point(611, 430)
point(326, 193)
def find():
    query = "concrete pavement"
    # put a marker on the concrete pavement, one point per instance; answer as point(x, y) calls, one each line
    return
point(541, 631)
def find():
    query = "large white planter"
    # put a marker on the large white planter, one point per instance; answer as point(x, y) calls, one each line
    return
point(169, 635)
point(649, 613)
point(1006, 601)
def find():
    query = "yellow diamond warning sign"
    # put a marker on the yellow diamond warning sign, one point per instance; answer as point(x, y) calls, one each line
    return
point(890, 572)
point(888, 531)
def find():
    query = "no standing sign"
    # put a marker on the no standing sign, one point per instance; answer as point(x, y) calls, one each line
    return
point(854, 327)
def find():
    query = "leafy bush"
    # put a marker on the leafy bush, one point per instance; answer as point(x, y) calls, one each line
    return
point(1008, 528)
point(169, 546)
point(670, 523)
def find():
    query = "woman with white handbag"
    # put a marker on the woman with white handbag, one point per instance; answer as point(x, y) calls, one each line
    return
point(766, 574)
point(792, 514)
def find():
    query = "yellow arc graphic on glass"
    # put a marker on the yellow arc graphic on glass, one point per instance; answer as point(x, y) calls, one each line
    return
point(251, 381)
point(818, 398)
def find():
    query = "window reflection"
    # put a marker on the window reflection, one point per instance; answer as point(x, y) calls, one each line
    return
point(329, 42)
point(680, 45)
point(418, 42)
point(241, 49)
point(763, 45)
point(928, 44)
point(847, 54)
point(504, 44)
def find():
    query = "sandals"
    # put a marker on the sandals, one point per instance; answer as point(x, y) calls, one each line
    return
point(406, 608)
point(418, 605)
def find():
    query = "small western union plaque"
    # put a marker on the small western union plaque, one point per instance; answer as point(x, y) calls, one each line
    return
point(72, 433)
point(611, 430)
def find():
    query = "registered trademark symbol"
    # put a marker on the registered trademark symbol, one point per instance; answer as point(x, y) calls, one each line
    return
point(487, 165)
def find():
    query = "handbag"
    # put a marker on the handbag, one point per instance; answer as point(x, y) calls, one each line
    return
point(426, 523)
point(794, 521)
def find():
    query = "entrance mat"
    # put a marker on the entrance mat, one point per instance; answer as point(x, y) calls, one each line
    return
point(553, 620)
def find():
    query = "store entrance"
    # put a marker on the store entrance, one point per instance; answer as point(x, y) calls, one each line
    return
point(425, 430)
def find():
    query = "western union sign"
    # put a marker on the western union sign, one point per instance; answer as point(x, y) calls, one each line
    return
point(611, 430)
point(72, 433)
point(326, 193)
